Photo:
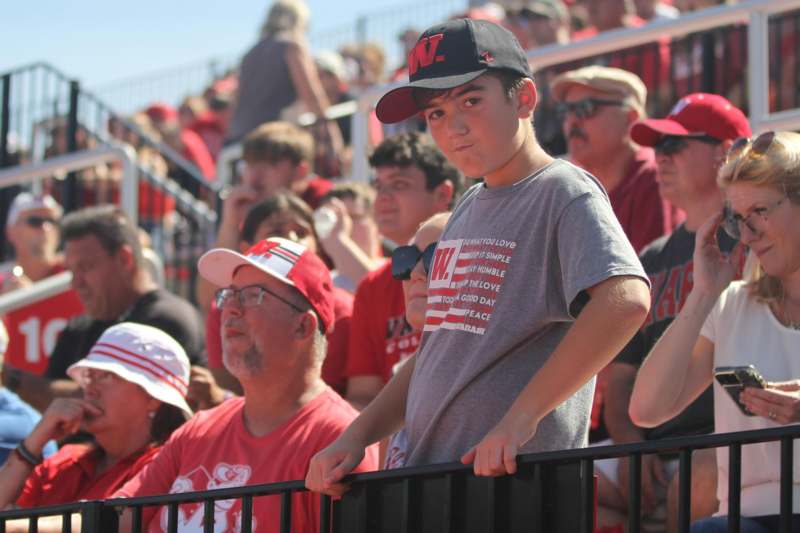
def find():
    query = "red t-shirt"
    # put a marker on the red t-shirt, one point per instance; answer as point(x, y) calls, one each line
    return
point(333, 368)
point(195, 150)
point(215, 450)
point(68, 476)
point(640, 209)
point(380, 337)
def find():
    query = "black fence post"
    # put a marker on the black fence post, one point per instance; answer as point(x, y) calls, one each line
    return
point(70, 199)
point(97, 518)
point(5, 121)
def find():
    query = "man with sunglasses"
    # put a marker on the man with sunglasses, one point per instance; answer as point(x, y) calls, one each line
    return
point(598, 105)
point(32, 230)
point(277, 306)
point(690, 145)
point(413, 181)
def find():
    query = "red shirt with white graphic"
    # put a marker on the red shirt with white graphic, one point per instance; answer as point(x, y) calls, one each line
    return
point(215, 450)
point(380, 337)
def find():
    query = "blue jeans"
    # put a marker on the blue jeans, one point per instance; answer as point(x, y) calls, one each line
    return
point(749, 524)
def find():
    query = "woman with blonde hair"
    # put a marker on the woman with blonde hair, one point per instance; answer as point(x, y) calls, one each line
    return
point(739, 323)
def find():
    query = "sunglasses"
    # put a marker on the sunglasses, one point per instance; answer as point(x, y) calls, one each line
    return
point(675, 144)
point(405, 258)
point(758, 147)
point(36, 221)
point(756, 220)
point(583, 109)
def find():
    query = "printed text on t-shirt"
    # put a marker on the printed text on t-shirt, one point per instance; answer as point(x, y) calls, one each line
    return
point(465, 279)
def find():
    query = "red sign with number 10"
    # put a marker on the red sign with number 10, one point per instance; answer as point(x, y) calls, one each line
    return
point(33, 330)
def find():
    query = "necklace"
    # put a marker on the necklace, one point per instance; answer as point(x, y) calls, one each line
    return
point(787, 320)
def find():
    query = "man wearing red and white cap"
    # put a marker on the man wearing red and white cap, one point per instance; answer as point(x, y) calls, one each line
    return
point(690, 145)
point(277, 305)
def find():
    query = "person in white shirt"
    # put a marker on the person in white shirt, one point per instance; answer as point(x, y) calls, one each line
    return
point(751, 322)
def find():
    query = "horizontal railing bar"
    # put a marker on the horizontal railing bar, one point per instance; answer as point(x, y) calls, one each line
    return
point(264, 489)
point(39, 290)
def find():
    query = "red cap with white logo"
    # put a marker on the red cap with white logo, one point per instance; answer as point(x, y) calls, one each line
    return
point(285, 260)
point(695, 115)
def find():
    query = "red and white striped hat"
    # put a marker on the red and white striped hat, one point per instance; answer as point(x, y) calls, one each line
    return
point(285, 260)
point(143, 355)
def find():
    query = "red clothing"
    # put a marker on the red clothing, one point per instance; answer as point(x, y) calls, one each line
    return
point(640, 209)
point(68, 476)
point(333, 369)
point(317, 188)
point(195, 150)
point(215, 450)
point(211, 129)
point(380, 336)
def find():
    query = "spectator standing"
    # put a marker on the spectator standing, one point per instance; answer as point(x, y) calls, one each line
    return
point(183, 140)
point(690, 144)
point(413, 181)
point(520, 316)
point(277, 306)
point(277, 71)
point(103, 252)
point(134, 383)
point(32, 230)
point(598, 105)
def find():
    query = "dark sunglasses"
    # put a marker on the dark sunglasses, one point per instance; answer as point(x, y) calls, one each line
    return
point(583, 109)
point(758, 147)
point(405, 258)
point(36, 221)
point(675, 144)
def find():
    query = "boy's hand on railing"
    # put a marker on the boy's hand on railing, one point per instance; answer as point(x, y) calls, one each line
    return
point(776, 403)
point(496, 454)
point(329, 466)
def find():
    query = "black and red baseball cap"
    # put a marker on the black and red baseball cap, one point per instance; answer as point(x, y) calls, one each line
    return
point(696, 114)
point(451, 54)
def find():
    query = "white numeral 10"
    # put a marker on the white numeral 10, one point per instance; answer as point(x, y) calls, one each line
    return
point(31, 328)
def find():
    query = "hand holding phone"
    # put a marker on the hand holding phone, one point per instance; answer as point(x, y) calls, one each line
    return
point(735, 378)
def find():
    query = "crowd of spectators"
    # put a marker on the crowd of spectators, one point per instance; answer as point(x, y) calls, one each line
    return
point(299, 322)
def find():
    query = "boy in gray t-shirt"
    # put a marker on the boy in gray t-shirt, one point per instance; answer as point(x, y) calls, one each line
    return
point(533, 287)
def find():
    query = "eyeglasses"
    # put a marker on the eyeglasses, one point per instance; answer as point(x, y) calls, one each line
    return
point(37, 221)
point(758, 147)
point(405, 258)
point(583, 109)
point(732, 222)
point(250, 296)
point(674, 144)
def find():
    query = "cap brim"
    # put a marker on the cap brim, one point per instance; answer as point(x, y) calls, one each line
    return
point(162, 394)
point(399, 104)
point(649, 132)
point(218, 266)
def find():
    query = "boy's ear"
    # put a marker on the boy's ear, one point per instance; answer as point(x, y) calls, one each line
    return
point(527, 97)
point(302, 170)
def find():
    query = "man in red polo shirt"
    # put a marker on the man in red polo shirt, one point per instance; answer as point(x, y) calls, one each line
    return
point(598, 106)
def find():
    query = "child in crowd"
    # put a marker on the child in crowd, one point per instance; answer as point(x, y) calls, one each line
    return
point(533, 287)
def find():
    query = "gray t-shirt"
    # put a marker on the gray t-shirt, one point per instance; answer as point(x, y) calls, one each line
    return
point(506, 283)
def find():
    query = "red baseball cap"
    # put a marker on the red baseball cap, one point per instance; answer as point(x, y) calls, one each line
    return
point(694, 115)
point(161, 112)
point(284, 260)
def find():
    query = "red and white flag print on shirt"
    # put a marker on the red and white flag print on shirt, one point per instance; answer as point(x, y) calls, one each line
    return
point(465, 278)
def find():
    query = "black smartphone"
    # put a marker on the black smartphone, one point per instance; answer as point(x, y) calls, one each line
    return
point(725, 242)
point(735, 378)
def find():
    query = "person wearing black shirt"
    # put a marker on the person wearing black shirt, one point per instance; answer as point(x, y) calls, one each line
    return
point(104, 255)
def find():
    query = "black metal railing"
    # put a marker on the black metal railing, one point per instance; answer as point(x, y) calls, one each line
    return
point(46, 114)
point(551, 492)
